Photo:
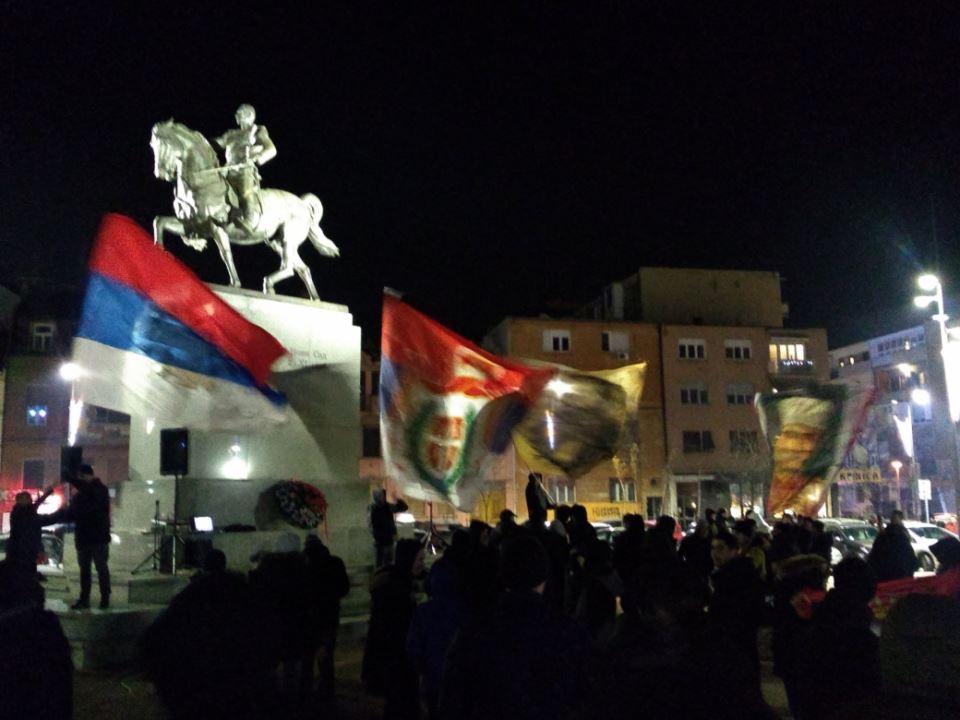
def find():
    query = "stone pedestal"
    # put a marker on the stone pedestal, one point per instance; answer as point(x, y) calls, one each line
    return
point(230, 472)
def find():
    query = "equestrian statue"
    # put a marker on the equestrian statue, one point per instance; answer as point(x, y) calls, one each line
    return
point(225, 203)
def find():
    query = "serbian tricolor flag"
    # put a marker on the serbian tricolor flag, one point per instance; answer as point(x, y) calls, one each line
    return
point(155, 342)
point(446, 406)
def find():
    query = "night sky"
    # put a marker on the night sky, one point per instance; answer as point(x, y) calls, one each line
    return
point(495, 159)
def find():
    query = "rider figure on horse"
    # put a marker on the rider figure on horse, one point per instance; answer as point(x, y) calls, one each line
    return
point(245, 148)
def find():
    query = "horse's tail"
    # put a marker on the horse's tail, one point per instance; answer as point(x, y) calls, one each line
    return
point(323, 244)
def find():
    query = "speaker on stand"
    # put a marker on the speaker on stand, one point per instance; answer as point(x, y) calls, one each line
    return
point(174, 460)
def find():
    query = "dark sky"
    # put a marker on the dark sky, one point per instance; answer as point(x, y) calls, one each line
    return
point(491, 158)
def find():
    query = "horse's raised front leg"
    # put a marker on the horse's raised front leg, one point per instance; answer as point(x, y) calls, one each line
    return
point(222, 241)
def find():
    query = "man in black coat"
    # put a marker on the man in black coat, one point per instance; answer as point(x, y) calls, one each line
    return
point(737, 603)
point(26, 537)
point(89, 511)
point(538, 501)
point(892, 556)
point(383, 526)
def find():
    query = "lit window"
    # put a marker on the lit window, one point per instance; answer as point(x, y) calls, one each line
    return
point(37, 415)
point(786, 355)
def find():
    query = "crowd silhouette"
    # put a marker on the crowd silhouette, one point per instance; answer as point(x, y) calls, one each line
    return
point(539, 619)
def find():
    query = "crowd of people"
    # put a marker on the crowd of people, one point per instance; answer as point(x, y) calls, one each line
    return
point(540, 619)
point(546, 620)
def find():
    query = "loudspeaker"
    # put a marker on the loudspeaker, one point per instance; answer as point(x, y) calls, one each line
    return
point(71, 457)
point(174, 449)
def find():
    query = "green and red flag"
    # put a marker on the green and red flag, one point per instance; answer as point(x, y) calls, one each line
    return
point(446, 406)
point(809, 432)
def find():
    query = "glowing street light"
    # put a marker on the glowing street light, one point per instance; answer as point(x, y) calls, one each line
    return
point(71, 372)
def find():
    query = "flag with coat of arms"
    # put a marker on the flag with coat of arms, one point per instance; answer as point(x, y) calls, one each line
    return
point(446, 406)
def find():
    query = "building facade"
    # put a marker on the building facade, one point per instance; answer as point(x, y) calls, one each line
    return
point(909, 436)
point(37, 403)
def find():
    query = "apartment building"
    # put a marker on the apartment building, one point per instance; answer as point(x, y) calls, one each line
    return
point(910, 435)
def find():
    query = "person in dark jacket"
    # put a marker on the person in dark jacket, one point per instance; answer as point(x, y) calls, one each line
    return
point(435, 623)
point(838, 660)
point(89, 511)
point(671, 663)
point(799, 580)
point(538, 501)
point(736, 607)
point(892, 556)
point(279, 584)
point(524, 662)
point(213, 653)
point(386, 669)
point(384, 527)
point(25, 541)
point(36, 669)
point(328, 583)
point(695, 549)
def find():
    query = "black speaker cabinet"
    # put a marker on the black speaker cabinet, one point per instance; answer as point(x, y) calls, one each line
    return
point(70, 460)
point(174, 450)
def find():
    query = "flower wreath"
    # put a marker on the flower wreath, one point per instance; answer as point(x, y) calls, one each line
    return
point(301, 504)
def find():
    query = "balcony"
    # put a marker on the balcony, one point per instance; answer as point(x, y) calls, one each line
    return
point(795, 368)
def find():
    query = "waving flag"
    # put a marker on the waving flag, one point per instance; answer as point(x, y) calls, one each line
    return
point(446, 405)
point(154, 341)
point(810, 433)
point(582, 419)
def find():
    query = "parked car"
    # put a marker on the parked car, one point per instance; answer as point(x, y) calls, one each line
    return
point(50, 560)
point(923, 536)
point(850, 537)
point(946, 520)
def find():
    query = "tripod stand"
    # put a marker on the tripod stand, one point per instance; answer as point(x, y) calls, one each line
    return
point(168, 541)
point(433, 540)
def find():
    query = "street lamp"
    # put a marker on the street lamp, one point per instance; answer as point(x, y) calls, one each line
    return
point(71, 372)
point(949, 354)
point(948, 351)
point(896, 465)
point(931, 283)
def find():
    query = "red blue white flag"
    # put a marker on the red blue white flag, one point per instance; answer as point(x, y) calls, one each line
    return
point(446, 406)
point(157, 343)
